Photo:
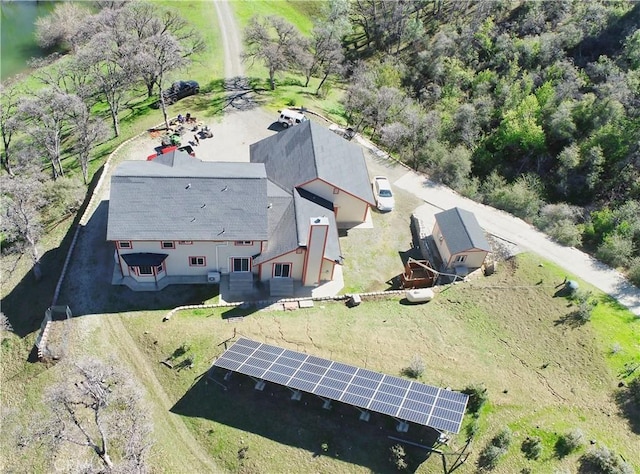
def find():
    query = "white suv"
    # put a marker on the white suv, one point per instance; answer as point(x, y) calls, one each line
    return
point(383, 194)
point(289, 118)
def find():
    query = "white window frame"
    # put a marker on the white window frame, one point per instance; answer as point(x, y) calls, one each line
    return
point(242, 260)
point(194, 261)
point(278, 270)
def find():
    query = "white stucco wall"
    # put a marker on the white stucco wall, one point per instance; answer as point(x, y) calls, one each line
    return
point(351, 210)
point(295, 259)
point(441, 243)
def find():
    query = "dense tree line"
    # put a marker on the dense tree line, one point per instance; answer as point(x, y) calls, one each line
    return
point(113, 49)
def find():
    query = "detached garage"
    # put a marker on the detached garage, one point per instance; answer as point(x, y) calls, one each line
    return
point(460, 239)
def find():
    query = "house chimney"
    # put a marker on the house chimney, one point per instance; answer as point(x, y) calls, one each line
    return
point(316, 243)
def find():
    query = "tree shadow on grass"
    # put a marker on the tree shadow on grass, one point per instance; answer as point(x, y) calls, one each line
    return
point(304, 424)
point(629, 408)
point(571, 319)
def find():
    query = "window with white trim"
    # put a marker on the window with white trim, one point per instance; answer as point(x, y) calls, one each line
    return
point(281, 270)
point(185, 242)
point(168, 244)
point(244, 242)
point(460, 258)
point(197, 261)
point(241, 264)
point(124, 244)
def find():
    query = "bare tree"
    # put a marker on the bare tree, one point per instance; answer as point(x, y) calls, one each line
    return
point(163, 54)
point(112, 65)
point(97, 406)
point(165, 38)
point(273, 41)
point(387, 24)
point(48, 113)
point(88, 132)
point(66, 75)
point(410, 134)
point(61, 27)
point(9, 101)
point(22, 200)
point(326, 56)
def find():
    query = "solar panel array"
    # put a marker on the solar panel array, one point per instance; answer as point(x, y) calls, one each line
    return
point(394, 396)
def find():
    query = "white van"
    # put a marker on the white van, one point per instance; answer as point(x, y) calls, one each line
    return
point(289, 118)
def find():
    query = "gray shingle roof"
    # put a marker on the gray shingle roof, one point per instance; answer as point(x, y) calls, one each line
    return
point(461, 231)
point(308, 151)
point(307, 209)
point(178, 197)
point(293, 229)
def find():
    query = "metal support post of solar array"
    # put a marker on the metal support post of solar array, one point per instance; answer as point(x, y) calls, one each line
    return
point(405, 400)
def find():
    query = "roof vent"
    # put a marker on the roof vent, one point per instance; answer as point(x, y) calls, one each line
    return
point(317, 221)
point(270, 205)
point(224, 189)
point(203, 206)
point(187, 186)
point(221, 232)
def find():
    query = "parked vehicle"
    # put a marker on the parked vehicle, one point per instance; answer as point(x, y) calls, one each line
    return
point(289, 118)
point(179, 90)
point(383, 194)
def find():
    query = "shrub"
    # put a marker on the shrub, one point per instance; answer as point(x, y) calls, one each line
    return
point(565, 233)
point(477, 397)
point(503, 439)
point(559, 221)
point(569, 442)
point(604, 461)
point(416, 367)
point(616, 250)
point(490, 456)
point(585, 306)
point(634, 271)
point(532, 447)
point(522, 198)
point(472, 428)
point(397, 457)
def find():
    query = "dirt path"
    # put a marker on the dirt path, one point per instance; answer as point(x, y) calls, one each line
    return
point(169, 423)
point(231, 39)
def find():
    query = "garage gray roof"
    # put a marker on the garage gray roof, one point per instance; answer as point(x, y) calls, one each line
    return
point(310, 151)
point(178, 197)
point(306, 210)
point(461, 231)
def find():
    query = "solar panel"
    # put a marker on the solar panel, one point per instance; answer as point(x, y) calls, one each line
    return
point(394, 396)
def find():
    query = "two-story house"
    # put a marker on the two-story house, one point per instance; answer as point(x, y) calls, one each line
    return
point(177, 219)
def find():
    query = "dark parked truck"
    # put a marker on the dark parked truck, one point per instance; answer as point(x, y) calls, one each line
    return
point(179, 90)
